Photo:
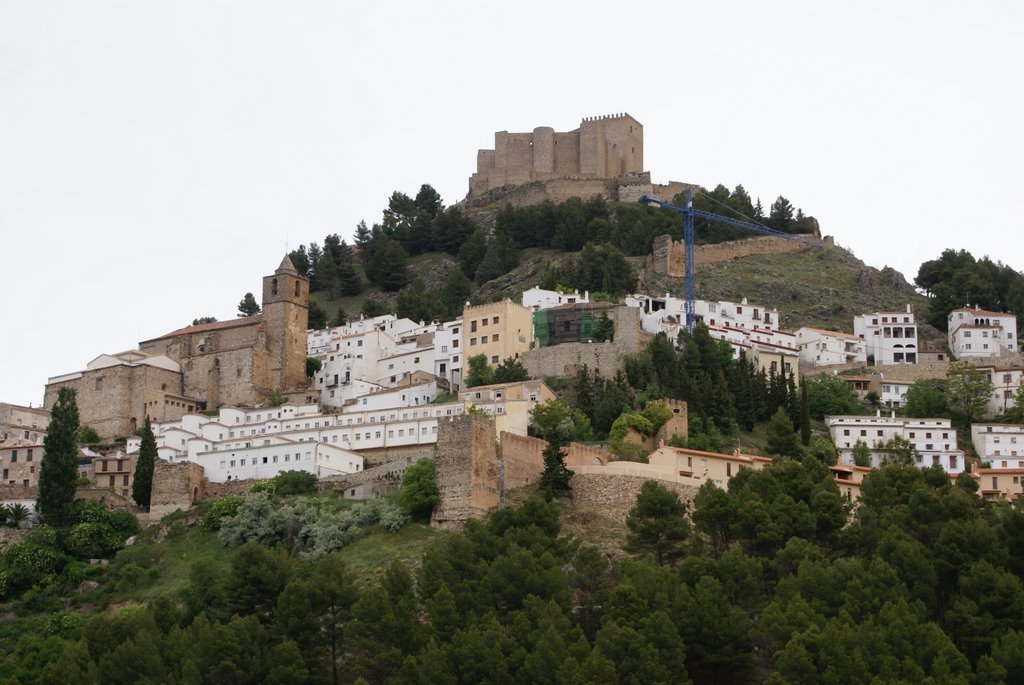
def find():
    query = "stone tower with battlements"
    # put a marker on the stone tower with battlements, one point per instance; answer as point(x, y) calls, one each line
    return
point(602, 148)
point(285, 317)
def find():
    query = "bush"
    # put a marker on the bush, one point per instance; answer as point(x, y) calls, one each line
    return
point(27, 564)
point(291, 483)
point(221, 509)
point(93, 540)
point(419, 493)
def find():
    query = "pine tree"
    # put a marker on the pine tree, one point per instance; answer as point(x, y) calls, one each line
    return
point(554, 481)
point(782, 439)
point(142, 485)
point(59, 470)
point(248, 306)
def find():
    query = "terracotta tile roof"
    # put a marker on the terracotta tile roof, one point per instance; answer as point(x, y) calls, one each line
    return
point(215, 326)
point(980, 312)
point(836, 333)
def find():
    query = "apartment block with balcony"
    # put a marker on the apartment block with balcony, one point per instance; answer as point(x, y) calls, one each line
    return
point(889, 337)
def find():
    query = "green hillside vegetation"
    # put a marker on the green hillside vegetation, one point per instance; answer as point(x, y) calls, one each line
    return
point(773, 581)
point(424, 260)
point(957, 279)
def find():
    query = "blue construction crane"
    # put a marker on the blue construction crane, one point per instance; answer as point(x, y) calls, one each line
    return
point(689, 213)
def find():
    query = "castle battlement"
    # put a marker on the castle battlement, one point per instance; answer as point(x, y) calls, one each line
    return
point(603, 147)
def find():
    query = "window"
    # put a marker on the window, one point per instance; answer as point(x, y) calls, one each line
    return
point(472, 341)
point(483, 340)
point(472, 326)
point(494, 359)
point(14, 456)
point(494, 338)
point(495, 321)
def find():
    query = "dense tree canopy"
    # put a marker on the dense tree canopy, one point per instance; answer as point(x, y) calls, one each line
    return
point(956, 279)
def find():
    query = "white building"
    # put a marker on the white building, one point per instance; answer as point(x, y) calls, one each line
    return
point(364, 358)
point(894, 393)
point(823, 348)
point(975, 333)
point(297, 437)
point(999, 444)
point(1006, 380)
point(934, 439)
point(745, 326)
point(536, 298)
point(890, 337)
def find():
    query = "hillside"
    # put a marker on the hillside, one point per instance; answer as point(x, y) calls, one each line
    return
point(825, 288)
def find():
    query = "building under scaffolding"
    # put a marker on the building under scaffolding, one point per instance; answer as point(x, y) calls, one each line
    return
point(568, 323)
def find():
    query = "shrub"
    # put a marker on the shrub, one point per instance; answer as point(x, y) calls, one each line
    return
point(225, 507)
point(92, 540)
point(290, 483)
point(419, 493)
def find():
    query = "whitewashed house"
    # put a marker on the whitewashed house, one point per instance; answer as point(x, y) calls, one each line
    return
point(889, 337)
point(977, 333)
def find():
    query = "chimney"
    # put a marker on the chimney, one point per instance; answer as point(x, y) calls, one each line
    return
point(908, 308)
point(878, 413)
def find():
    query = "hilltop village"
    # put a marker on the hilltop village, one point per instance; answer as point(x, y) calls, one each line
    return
point(530, 458)
point(239, 401)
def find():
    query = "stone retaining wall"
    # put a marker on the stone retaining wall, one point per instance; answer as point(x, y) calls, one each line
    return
point(614, 496)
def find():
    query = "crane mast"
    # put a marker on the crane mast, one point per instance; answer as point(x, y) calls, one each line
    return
point(689, 213)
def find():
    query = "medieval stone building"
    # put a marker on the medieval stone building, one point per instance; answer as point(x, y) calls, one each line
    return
point(236, 362)
point(240, 362)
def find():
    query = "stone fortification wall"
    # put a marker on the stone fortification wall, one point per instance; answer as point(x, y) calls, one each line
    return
point(386, 455)
point(521, 460)
point(585, 455)
point(614, 496)
point(467, 470)
point(377, 481)
point(176, 486)
point(669, 256)
point(678, 424)
point(604, 358)
point(108, 498)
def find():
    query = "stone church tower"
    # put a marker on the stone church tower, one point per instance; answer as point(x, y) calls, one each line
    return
point(285, 317)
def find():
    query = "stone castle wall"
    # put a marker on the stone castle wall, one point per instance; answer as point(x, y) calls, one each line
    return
point(585, 455)
point(612, 496)
point(521, 460)
point(678, 424)
point(175, 486)
point(669, 256)
point(467, 470)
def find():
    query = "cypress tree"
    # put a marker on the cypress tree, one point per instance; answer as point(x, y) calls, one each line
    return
point(59, 470)
point(554, 481)
point(142, 485)
point(805, 416)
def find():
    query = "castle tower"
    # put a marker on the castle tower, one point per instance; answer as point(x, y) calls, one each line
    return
point(285, 316)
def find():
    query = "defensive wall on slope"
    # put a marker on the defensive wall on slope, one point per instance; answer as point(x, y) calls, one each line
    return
point(669, 256)
point(612, 496)
point(466, 471)
point(179, 486)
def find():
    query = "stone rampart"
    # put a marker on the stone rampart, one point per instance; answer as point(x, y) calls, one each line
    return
point(376, 481)
point(582, 455)
point(467, 470)
point(613, 496)
point(176, 486)
point(669, 256)
point(521, 460)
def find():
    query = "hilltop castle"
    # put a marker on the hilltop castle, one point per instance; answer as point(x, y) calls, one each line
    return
point(604, 156)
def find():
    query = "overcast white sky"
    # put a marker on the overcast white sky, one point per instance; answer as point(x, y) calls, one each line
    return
point(156, 157)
